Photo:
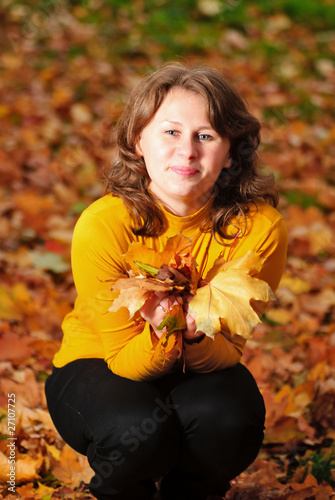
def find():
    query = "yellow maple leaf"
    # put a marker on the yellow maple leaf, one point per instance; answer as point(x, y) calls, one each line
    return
point(251, 262)
point(132, 299)
point(134, 293)
point(228, 298)
point(72, 468)
point(27, 468)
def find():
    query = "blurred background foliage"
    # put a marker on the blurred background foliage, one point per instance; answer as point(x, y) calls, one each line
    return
point(285, 39)
point(72, 62)
point(66, 67)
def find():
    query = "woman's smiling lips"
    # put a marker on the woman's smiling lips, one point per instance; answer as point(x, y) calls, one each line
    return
point(185, 171)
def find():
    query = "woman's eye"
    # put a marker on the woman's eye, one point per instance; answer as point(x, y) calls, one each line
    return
point(205, 137)
point(172, 132)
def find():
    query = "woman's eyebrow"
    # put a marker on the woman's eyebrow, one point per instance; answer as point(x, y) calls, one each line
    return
point(175, 122)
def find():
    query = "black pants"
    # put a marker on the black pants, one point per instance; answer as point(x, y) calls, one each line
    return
point(197, 430)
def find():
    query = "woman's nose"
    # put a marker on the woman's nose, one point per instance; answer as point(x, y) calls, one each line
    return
point(188, 147)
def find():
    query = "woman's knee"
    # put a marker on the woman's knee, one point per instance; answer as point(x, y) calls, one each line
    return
point(221, 402)
point(220, 430)
point(140, 443)
point(120, 424)
point(223, 416)
point(236, 421)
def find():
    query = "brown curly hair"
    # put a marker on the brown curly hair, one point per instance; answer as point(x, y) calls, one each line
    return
point(236, 187)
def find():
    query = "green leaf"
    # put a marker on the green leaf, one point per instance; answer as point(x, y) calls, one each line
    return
point(146, 269)
point(174, 320)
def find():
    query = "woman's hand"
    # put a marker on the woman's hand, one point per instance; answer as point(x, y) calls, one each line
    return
point(155, 309)
point(159, 304)
point(191, 335)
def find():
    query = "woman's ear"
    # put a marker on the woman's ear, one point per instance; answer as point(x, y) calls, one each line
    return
point(228, 161)
point(138, 147)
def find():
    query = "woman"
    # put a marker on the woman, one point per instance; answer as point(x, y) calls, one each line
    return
point(186, 163)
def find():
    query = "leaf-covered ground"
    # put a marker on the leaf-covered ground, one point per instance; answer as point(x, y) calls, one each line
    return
point(65, 69)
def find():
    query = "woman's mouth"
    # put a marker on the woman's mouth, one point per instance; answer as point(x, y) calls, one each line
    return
point(185, 171)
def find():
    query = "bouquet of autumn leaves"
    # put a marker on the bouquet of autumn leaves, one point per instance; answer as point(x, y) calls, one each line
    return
point(225, 298)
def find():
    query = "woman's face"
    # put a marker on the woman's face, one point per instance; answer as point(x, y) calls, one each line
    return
point(183, 154)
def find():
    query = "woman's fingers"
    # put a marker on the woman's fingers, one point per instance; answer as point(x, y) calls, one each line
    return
point(191, 326)
point(150, 305)
point(156, 307)
point(159, 304)
point(166, 303)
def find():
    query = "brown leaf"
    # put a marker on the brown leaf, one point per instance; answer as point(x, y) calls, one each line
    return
point(166, 272)
point(72, 468)
point(168, 345)
point(26, 468)
point(26, 491)
point(145, 284)
point(27, 393)
point(324, 409)
point(14, 348)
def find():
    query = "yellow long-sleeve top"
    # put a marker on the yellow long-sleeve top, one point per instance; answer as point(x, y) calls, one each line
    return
point(101, 236)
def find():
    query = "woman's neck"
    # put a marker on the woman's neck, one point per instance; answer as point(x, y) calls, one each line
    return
point(184, 208)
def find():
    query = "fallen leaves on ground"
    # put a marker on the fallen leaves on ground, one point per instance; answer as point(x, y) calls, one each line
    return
point(64, 76)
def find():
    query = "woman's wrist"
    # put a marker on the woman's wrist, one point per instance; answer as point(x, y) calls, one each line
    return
point(195, 340)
